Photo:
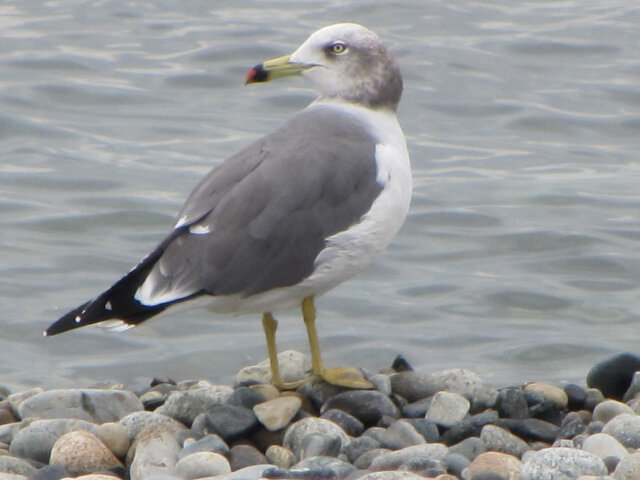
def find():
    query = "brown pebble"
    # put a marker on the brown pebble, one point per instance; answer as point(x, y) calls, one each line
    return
point(81, 452)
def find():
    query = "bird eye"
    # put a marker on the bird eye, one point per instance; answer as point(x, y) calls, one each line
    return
point(338, 48)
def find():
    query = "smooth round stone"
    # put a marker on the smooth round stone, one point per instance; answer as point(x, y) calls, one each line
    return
point(321, 467)
point(613, 376)
point(293, 367)
point(609, 409)
point(549, 392)
point(254, 472)
point(561, 464)
point(625, 428)
point(512, 403)
point(135, 422)
point(414, 386)
point(268, 391)
point(98, 406)
point(391, 476)
point(280, 456)
point(277, 413)
point(317, 444)
point(296, 432)
point(228, 421)
point(461, 381)
point(363, 462)
point(417, 409)
point(634, 387)
point(155, 452)
point(247, 397)
point(358, 446)
point(628, 468)
point(502, 464)
point(381, 383)
point(501, 440)
point(394, 460)
point(604, 445)
point(469, 427)
point(208, 443)
point(50, 472)
point(400, 434)
point(532, 429)
point(13, 476)
point(368, 406)
point(350, 424)
point(186, 405)
point(470, 448)
point(36, 440)
point(447, 409)
point(115, 437)
point(593, 398)
point(202, 464)
point(576, 394)
point(15, 399)
point(6, 415)
point(456, 464)
point(242, 456)
point(572, 425)
point(82, 452)
point(16, 466)
point(426, 428)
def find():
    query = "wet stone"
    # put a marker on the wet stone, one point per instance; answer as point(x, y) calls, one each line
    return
point(426, 428)
point(512, 403)
point(532, 429)
point(208, 443)
point(367, 406)
point(228, 421)
point(469, 427)
point(186, 405)
point(613, 376)
point(399, 435)
point(358, 446)
point(242, 456)
point(414, 386)
point(576, 395)
point(350, 424)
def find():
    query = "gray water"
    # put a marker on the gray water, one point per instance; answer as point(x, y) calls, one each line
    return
point(520, 258)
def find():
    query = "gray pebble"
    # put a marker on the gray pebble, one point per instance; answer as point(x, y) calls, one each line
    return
point(469, 427)
point(426, 428)
point(393, 460)
point(322, 467)
point(608, 409)
point(456, 464)
point(399, 435)
point(447, 409)
point(280, 456)
point(276, 414)
point(487, 475)
point(562, 464)
point(417, 409)
point(310, 425)
point(470, 448)
point(81, 452)
point(228, 421)
point(155, 452)
point(15, 465)
point(186, 405)
point(414, 386)
point(293, 367)
point(208, 443)
point(625, 428)
point(202, 464)
point(368, 406)
point(254, 472)
point(359, 446)
point(350, 424)
point(512, 403)
point(604, 445)
point(363, 462)
point(36, 440)
point(245, 397)
point(135, 422)
point(501, 440)
point(98, 406)
point(242, 456)
point(319, 444)
point(628, 468)
point(392, 476)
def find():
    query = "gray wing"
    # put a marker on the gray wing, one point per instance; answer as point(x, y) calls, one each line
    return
point(259, 220)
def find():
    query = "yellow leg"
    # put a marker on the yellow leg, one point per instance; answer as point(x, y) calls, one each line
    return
point(342, 376)
point(270, 325)
point(309, 317)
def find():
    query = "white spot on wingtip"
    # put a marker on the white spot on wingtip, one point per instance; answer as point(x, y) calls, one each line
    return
point(182, 221)
point(200, 229)
point(108, 307)
point(78, 319)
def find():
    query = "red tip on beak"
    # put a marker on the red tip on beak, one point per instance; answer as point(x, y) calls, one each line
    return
point(256, 75)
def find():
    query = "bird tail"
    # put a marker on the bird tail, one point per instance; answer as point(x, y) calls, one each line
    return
point(118, 303)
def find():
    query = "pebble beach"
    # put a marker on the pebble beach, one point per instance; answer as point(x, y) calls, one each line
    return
point(445, 425)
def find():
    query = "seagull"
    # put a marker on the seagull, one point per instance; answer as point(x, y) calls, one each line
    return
point(293, 214)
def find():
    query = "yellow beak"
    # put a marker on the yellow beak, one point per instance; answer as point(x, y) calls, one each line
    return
point(275, 68)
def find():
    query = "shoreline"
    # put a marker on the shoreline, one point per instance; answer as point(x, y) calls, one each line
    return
point(447, 425)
